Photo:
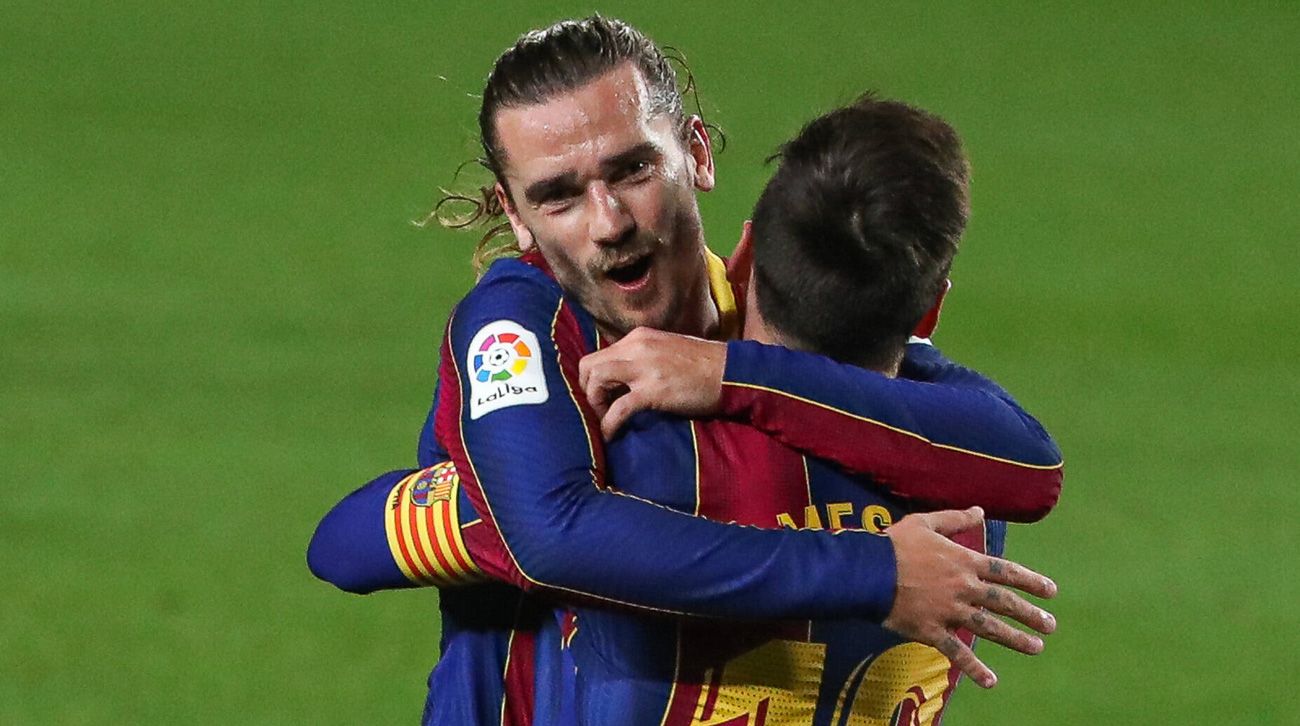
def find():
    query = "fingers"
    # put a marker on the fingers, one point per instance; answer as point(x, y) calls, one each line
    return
point(952, 521)
point(1005, 602)
point(1006, 572)
point(593, 362)
point(585, 364)
point(595, 368)
point(603, 395)
point(612, 362)
point(604, 380)
point(965, 659)
point(618, 414)
point(989, 627)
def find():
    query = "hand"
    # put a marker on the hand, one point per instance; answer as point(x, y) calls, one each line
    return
point(651, 369)
point(943, 586)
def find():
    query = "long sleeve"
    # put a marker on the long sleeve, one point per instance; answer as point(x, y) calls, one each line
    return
point(349, 548)
point(403, 529)
point(530, 458)
point(959, 441)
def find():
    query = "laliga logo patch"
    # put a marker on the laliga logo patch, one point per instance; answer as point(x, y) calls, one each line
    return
point(503, 370)
point(501, 357)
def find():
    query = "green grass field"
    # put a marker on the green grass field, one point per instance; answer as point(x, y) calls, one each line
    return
point(217, 318)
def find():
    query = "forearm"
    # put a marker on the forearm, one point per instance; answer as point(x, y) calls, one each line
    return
point(606, 547)
point(942, 445)
point(350, 548)
point(400, 530)
point(531, 461)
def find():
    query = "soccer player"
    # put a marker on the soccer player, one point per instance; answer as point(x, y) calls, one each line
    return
point(583, 126)
point(859, 225)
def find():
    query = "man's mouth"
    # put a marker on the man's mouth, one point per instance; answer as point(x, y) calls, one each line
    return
point(633, 274)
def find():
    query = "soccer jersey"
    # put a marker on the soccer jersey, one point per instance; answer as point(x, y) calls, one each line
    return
point(637, 670)
point(527, 450)
point(533, 504)
point(508, 374)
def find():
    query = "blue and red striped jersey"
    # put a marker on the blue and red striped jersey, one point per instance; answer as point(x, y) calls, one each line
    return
point(637, 670)
point(533, 503)
point(529, 456)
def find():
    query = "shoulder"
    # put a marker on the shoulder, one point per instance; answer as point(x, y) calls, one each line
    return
point(513, 291)
point(518, 299)
point(501, 338)
point(511, 287)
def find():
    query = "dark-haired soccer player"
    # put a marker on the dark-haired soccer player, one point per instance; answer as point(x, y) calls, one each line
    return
point(596, 168)
point(852, 240)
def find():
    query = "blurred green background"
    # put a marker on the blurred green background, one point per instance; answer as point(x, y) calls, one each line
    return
point(217, 318)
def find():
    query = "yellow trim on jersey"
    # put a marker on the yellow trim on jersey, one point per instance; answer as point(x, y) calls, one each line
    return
point(591, 445)
point(677, 671)
point(890, 680)
point(505, 670)
point(706, 682)
point(514, 561)
point(844, 690)
point(882, 424)
point(723, 297)
point(695, 451)
point(786, 674)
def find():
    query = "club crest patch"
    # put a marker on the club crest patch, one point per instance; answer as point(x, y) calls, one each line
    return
point(434, 484)
point(503, 368)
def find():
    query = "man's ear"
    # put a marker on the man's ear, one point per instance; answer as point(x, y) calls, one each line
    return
point(925, 328)
point(740, 266)
point(524, 237)
point(699, 149)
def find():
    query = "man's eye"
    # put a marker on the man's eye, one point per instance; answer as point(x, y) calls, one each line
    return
point(552, 206)
point(558, 201)
point(633, 171)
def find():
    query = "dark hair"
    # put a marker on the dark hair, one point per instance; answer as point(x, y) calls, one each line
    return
point(566, 56)
point(540, 65)
point(856, 231)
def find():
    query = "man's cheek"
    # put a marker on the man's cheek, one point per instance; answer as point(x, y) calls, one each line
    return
point(652, 206)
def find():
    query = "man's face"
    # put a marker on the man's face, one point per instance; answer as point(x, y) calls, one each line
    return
point(606, 190)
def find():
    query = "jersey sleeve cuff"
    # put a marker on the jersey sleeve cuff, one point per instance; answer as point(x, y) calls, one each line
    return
point(880, 573)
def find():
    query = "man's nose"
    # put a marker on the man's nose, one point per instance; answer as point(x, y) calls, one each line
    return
point(610, 220)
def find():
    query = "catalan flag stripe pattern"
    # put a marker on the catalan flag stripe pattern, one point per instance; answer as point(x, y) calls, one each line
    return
point(422, 523)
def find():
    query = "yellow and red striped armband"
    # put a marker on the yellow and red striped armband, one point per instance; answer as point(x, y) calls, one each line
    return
point(423, 526)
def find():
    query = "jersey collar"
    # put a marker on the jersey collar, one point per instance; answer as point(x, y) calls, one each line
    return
point(723, 297)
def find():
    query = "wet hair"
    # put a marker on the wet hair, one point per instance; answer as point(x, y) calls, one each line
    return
point(566, 56)
point(540, 65)
point(856, 231)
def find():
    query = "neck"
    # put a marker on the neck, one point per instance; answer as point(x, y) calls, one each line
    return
point(757, 329)
point(699, 315)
